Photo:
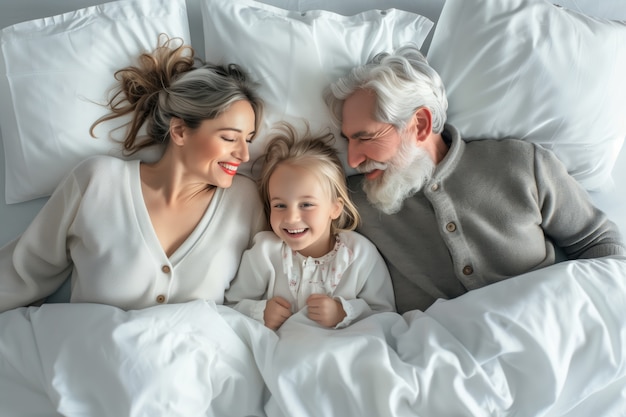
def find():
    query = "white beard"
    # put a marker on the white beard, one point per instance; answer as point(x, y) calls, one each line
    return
point(403, 176)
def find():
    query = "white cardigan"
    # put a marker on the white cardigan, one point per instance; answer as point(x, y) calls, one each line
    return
point(354, 273)
point(96, 226)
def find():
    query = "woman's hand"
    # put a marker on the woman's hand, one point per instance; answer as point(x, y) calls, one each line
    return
point(277, 311)
point(325, 310)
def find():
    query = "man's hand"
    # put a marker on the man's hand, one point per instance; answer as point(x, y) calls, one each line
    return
point(277, 310)
point(325, 310)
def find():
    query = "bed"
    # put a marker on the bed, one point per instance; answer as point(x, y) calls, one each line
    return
point(547, 343)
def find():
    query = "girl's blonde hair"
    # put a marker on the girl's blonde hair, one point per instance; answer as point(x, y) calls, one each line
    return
point(315, 153)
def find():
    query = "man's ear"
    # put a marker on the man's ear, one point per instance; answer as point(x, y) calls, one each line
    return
point(177, 131)
point(422, 123)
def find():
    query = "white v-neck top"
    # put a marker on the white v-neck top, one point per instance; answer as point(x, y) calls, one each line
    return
point(96, 226)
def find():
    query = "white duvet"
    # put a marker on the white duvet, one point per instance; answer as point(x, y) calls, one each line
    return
point(548, 343)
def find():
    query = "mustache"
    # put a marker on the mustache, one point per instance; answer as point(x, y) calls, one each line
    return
point(369, 165)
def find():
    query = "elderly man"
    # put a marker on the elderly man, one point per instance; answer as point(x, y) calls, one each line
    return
point(450, 215)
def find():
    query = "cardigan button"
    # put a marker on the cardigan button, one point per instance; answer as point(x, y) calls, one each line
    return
point(166, 269)
point(434, 187)
point(451, 227)
point(468, 270)
point(160, 299)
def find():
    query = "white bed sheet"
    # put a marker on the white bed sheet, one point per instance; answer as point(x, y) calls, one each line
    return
point(461, 357)
point(504, 350)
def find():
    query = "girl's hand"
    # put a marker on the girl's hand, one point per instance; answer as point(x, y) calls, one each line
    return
point(325, 310)
point(277, 311)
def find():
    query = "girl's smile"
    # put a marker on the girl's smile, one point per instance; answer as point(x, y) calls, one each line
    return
point(301, 210)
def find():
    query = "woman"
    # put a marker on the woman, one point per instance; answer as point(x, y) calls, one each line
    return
point(136, 234)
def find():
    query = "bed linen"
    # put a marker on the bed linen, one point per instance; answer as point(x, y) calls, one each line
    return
point(547, 343)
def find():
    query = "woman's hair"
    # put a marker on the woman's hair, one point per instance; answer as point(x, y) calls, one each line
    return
point(316, 154)
point(402, 82)
point(166, 83)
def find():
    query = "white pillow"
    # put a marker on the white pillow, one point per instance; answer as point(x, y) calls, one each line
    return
point(614, 10)
point(295, 55)
point(59, 71)
point(529, 69)
point(427, 8)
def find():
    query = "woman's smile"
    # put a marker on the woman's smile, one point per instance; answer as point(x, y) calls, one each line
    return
point(229, 168)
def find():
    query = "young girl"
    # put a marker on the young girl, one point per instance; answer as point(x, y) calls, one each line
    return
point(312, 258)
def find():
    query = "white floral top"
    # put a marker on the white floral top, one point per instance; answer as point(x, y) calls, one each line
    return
point(353, 273)
point(308, 275)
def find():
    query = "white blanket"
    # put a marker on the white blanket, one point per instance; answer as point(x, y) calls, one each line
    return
point(548, 343)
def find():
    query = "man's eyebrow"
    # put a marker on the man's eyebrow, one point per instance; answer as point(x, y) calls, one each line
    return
point(358, 135)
